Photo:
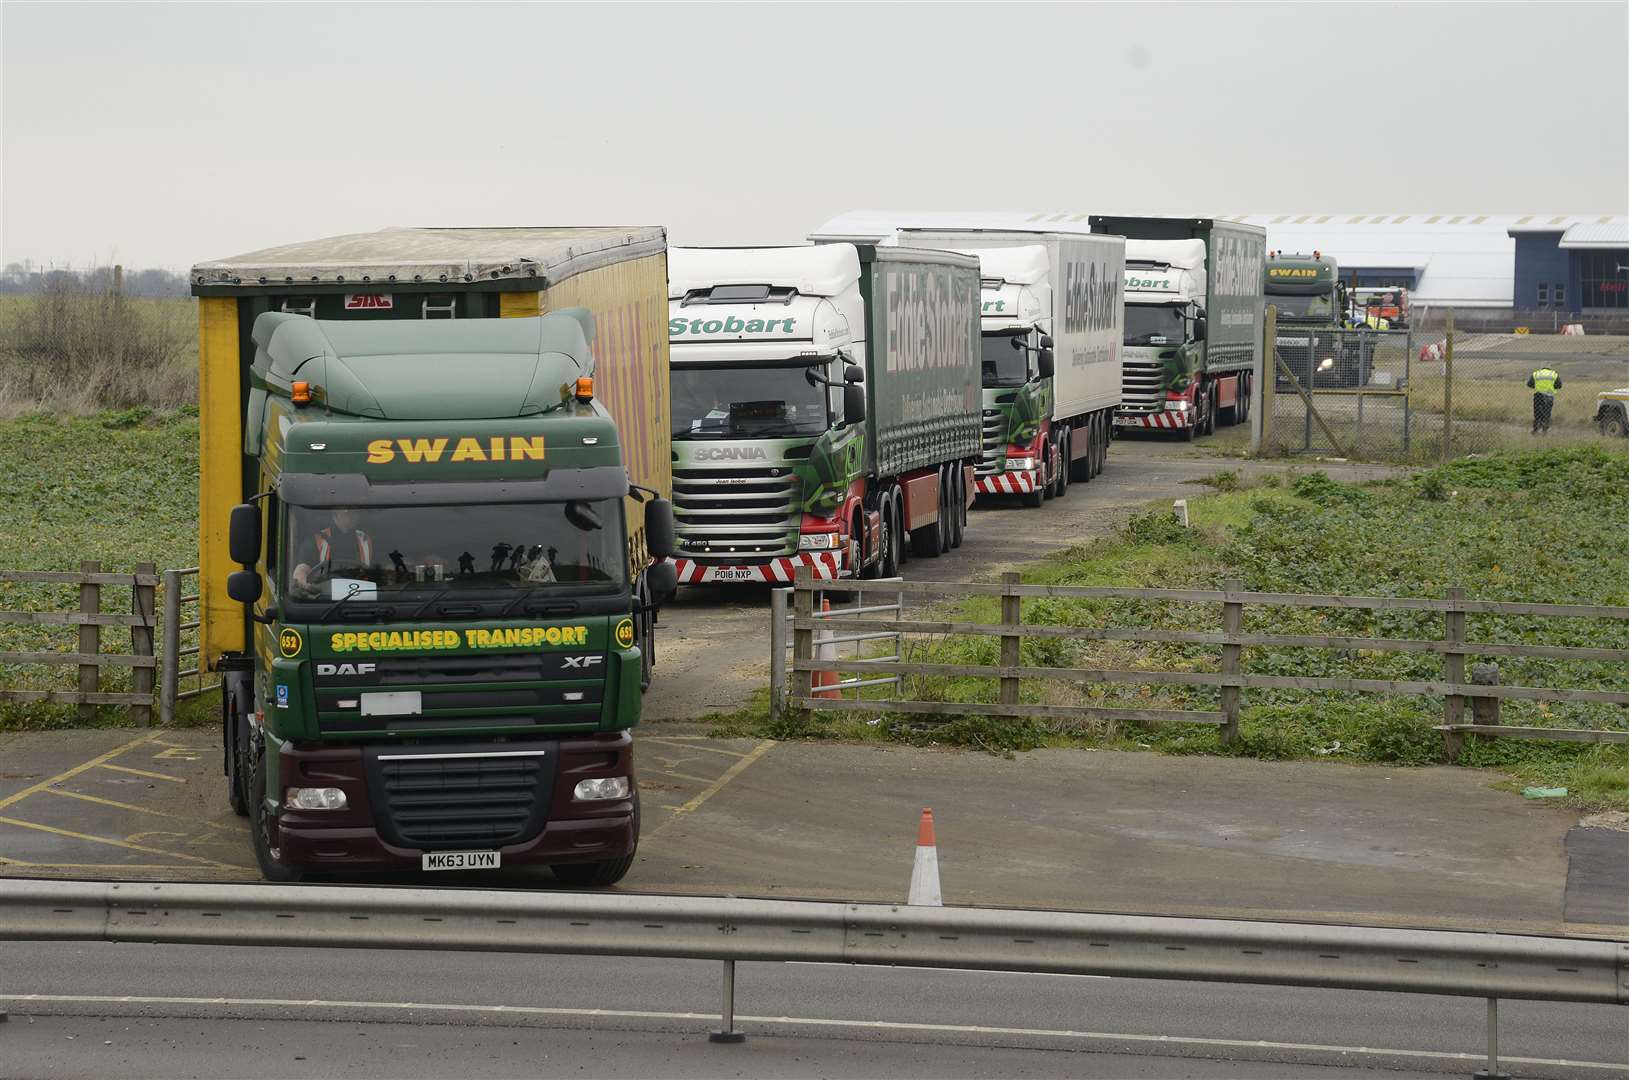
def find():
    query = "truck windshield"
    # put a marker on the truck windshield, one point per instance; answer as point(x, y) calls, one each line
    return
point(1317, 306)
point(747, 401)
point(1155, 324)
point(410, 554)
point(1003, 364)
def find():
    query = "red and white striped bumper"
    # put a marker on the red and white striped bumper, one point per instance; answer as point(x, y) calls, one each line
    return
point(1164, 420)
point(1010, 483)
point(827, 566)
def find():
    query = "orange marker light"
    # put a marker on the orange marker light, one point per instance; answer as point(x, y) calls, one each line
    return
point(585, 388)
point(300, 393)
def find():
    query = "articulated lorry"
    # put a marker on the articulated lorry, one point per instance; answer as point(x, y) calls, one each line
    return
point(1312, 305)
point(825, 405)
point(1052, 309)
point(434, 509)
point(1193, 321)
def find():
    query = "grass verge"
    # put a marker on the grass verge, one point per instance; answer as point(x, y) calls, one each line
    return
point(1540, 527)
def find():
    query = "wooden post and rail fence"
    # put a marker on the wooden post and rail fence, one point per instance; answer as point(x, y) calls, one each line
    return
point(1483, 690)
point(145, 602)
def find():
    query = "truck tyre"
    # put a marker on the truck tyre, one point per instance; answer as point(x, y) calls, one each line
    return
point(944, 509)
point(1061, 485)
point(890, 537)
point(1105, 435)
point(899, 526)
point(958, 506)
point(1191, 432)
point(594, 875)
point(235, 705)
point(885, 541)
point(644, 623)
point(1080, 469)
point(1613, 423)
point(261, 823)
point(1230, 415)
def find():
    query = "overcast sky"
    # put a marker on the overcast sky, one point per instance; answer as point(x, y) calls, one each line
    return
point(167, 134)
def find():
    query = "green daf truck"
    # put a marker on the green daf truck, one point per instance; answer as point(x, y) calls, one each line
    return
point(434, 530)
point(1312, 303)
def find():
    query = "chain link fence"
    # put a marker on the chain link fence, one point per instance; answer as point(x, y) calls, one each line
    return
point(1451, 384)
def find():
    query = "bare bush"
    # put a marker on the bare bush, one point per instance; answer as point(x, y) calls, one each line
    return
point(78, 349)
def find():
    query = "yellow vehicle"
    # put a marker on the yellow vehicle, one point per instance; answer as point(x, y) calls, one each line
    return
point(1612, 412)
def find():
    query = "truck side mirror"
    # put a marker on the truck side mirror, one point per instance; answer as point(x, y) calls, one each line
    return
point(663, 581)
point(243, 586)
point(661, 531)
point(853, 373)
point(243, 535)
point(1046, 361)
point(853, 403)
point(1199, 329)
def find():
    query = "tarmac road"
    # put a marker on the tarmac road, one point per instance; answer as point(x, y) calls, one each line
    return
point(143, 1010)
point(712, 646)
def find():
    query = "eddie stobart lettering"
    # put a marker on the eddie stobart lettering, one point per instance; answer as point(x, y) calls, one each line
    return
point(928, 311)
point(1089, 297)
point(679, 326)
point(1238, 266)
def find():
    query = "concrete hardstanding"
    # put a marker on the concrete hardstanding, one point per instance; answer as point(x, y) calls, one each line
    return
point(1234, 255)
point(922, 360)
point(1088, 307)
point(619, 274)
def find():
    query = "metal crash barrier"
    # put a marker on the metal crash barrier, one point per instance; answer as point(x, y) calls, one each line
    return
point(1460, 963)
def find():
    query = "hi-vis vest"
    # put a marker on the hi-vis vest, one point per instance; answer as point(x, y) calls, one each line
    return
point(1544, 380)
point(325, 546)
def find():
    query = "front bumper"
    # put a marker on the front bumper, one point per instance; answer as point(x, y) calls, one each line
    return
point(365, 837)
point(1164, 421)
point(827, 566)
point(1008, 483)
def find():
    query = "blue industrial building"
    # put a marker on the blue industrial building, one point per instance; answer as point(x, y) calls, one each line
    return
point(1580, 268)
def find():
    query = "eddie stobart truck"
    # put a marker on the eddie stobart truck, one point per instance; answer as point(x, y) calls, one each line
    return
point(1051, 312)
point(825, 405)
point(1312, 303)
point(1193, 321)
point(433, 508)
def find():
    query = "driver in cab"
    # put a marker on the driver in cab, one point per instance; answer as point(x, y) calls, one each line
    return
point(341, 544)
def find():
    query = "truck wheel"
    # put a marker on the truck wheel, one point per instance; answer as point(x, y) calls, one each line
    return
point(1080, 469)
point(1230, 415)
point(261, 824)
point(958, 506)
point(899, 527)
point(1105, 435)
point(878, 567)
point(1061, 485)
point(890, 538)
point(1613, 424)
point(593, 875)
point(235, 726)
point(1191, 432)
point(644, 622)
point(944, 510)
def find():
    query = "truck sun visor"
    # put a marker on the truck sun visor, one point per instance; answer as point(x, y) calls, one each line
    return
point(354, 489)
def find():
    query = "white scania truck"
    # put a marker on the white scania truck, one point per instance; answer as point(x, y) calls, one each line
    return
point(1052, 312)
point(1193, 321)
point(825, 408)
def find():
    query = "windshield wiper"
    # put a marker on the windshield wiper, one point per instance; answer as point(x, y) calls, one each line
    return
point(374, 612)
point(422, 608)
point(544, 607)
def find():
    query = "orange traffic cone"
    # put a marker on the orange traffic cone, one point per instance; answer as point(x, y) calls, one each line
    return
point(824, 650)
point(925, 871)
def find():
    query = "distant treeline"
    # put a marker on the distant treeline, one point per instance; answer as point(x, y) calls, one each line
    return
point(27, 279)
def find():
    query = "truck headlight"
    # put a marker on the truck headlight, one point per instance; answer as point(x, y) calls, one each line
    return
point(1177, 406)
point(1326, 363)
point(1020, 464)
point(817, 541)
point(602, 790)
point(316, 798)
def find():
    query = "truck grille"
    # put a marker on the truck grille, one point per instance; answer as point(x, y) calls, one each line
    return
point(994, 441)
point(727, 513)
point(1141, 389)
point(490, 690)
point(439, 800)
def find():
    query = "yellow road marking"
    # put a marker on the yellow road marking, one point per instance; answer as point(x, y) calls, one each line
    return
point(144, 772)
point(127, 845)
point(672, 741)
point(717, 785)
point(103, 759)
point(138, 809)
point(680, 775)
point(6, 861)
